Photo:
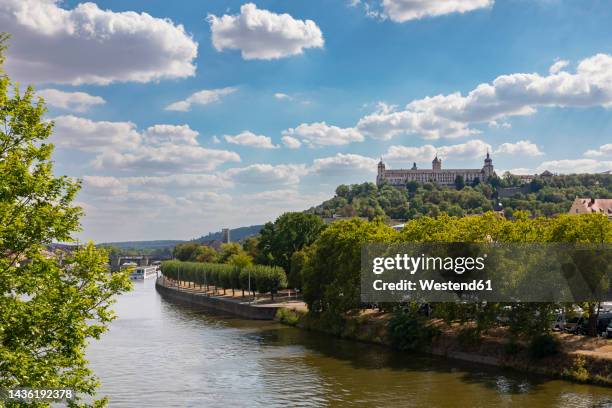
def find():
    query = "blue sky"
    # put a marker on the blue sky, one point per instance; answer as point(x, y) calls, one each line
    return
point(349, 81)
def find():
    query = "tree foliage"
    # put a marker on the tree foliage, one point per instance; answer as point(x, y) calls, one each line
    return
point(541, 197)
point(288, 234)
point(51, 305)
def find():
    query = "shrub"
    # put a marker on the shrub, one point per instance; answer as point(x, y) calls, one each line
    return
point(544, 345)
point(408, 331)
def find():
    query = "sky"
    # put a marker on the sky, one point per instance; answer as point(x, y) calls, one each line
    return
point(182, 118)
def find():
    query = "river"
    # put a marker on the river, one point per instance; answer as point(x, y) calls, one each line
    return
point(158, 353)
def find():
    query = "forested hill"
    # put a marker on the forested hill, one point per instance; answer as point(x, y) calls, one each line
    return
point(236, 234)
point(540, 197)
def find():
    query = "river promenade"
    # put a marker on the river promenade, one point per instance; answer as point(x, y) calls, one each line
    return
point(227, 302)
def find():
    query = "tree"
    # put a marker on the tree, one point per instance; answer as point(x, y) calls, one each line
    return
point(228, 250)
point(289, 233)
point(204, 253)
point(186, 251)
point(459, 182)
point(50, 306)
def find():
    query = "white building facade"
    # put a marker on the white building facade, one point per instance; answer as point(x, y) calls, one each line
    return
point(436, 175)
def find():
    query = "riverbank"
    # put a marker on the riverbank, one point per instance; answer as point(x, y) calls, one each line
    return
point(226, 302)
point(580, 359)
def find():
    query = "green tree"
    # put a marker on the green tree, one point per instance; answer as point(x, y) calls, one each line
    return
point(186, 251)
point(289, 233)
point(49, 307)
point(459, 182)
point(204, 253)
point(228, 250)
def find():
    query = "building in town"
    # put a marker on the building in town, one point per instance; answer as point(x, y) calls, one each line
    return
point(437, 175)
point(592, 205)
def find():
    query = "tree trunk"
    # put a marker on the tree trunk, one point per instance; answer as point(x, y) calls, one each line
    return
point(593, 320)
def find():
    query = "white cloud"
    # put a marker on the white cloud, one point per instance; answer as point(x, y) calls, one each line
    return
point(111, 185)
point(86, 44)
point(471, 150)
point(209, 197)
point(342, 163)
point(520, 148)
point(74, 101)
point(119, 145)
point(87, 135)
point(401, 11)
point(517, 171)
point(203, 97)
point(261, 34)
point(247, 138)
point(386, 125)
point(165, 159)
point(508, 95)
point(282, 96)
point(602, 151)
point(575, 166)
point(291, 142)
point(268, 174)
point(321, 134)
point(170, 134)
point(558, 66)
point(104, 185)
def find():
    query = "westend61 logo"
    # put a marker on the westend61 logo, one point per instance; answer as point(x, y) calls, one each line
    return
point(494, 272)
point(413, 264)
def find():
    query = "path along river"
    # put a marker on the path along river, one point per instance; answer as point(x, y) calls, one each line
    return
point(159, 353)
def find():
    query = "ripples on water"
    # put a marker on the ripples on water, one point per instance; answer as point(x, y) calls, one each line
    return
point(163, 354)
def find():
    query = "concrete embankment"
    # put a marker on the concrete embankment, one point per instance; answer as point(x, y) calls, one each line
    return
point(218, 303)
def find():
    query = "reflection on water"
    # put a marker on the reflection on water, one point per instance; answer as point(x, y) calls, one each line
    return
point(162, 354)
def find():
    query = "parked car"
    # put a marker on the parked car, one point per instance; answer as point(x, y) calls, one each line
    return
point(609, 330)
point(573, 324)
point(559, 323)
point(603, 321)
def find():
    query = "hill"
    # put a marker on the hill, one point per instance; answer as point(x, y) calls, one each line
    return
point(236, 234)
point(541, 197)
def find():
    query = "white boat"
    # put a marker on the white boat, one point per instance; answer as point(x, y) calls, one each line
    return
point(144, 272)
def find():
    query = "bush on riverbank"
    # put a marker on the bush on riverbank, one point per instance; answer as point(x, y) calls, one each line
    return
point(409, 331)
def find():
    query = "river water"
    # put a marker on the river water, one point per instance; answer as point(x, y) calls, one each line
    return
point(159, 353)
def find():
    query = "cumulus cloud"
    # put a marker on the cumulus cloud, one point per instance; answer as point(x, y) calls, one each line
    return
point(170, 134)
point(321, 134)
point(508, 95)
point(261, 34)
point(343, 163)
point(203, 97)
point(112, 186)
point(119, 145)
point(602, 151)
point(268, 174)
point(558, 66)
point(86, 44)
point(520, 148)
point(401, 11)
point(247, 138)
point(471, 150)
point(74, 132)
point(291, 142)
point(573, 166)
point(73, 101)
point(165, 158)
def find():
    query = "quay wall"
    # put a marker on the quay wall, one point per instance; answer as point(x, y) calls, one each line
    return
point(243, 310)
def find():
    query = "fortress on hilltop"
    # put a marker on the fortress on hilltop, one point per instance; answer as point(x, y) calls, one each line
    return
point(436, 175)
